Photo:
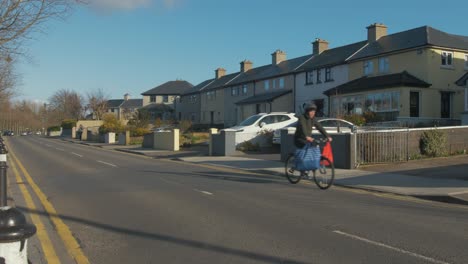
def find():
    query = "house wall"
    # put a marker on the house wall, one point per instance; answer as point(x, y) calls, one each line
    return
point(283, 104)
point(307, 93)
point(159, 100)
point(425, 64)
point(189, 108)
point(274, 84)
point(215, 105)
point(232, 112)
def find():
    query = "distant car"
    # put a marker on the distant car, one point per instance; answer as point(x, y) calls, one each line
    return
point(162, 129)
point(24, 133)
point(331, 125)
point(38, 133)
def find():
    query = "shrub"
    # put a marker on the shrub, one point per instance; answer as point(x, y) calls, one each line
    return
point(185, 126)
point(138, 131)
point(68, 123)
point(433, 143)
point(371, 117)
point(185, 140)
point(248, 146)
point(53, 129)
point(356, 119)
point(111, 124)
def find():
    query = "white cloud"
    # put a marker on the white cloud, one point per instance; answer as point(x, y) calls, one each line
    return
point(112, 5)
point(108, 5)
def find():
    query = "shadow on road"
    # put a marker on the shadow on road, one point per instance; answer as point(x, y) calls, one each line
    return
point(170, 239)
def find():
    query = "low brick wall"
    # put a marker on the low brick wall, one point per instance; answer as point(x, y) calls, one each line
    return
point(457, 139)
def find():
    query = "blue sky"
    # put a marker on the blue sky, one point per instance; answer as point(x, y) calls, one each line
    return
point(134, 45)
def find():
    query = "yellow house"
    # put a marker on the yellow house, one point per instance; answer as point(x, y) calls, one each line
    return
point(408, 76)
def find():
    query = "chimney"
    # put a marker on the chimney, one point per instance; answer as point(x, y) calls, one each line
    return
point(126, 97)
point(220, 72)
point(376, 31)
point(277, 57)
point(246, 65)
point(319, 46)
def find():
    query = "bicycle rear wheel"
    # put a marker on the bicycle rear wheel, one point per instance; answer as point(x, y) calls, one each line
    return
point(294, 176)
point(325, 175)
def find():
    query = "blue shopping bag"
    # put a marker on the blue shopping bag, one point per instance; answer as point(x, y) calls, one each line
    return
point(307, 158)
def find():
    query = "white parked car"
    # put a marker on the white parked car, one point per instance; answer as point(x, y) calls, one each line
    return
point(271, 121)
point(331, 125)
point(250, 128)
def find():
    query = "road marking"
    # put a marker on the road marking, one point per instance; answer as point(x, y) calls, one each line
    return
point(73, 248)
point(107, 163)
point(428, 259)
point(47, 247)
point(76, 154)
point(48, 145)
point(204, 192)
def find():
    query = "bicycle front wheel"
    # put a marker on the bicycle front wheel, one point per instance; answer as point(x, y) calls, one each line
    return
point(325, 175)
point(294, 176)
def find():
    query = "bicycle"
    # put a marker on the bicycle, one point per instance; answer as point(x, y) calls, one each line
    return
point(326, 172)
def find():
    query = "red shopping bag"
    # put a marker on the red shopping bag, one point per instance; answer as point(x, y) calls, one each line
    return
point(327, 153)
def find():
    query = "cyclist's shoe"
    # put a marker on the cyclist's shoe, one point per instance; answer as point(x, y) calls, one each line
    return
point(305, 175)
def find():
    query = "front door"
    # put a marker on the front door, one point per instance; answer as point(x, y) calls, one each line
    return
point(414, 104)
point(445, 104)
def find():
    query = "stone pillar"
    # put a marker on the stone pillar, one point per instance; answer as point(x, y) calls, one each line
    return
point(127, 138)
point(213, 131)
point(73, 135)
point(110, 138)
point(84, 134)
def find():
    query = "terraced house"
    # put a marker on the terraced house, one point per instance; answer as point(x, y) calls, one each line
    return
point(407, 76)
point(325, 70)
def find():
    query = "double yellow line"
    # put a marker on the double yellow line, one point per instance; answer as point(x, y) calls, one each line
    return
point(72, 246)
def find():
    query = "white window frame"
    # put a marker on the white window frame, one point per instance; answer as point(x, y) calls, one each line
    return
point(446, 55)
point(466, 61)
point(319, 76)
point(234, 91)
point(328, 74)
point(245, 89)
point(281, 82)
point(309, 77)
point(266, 85)
point(384, 65)
point(274, 83)
point(368, 67)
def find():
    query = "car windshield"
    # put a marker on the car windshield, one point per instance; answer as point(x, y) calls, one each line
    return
point(251, 120)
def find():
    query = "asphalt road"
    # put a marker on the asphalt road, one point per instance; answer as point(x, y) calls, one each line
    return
point(128, 209)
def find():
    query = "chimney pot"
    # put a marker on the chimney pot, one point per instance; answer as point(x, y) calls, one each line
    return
point(246, 65)
point(376, 31)
point(319, 46)
point(220, 72)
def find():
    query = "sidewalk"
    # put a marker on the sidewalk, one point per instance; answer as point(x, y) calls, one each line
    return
point(452, 190)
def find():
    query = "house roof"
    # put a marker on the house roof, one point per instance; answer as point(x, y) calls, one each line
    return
point(463, 81)
point(270, 70)
point(132, 103)
point(170, 88)
point(413, 38)
point(332, 56)
point(221, 82)
point(263, 98)
point(158, 107)
point(377, 82)
point(114, 103)
point(197, 88)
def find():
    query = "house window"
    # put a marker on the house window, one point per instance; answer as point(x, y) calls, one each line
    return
point(447, 59)
point(244, 89)
point(153, 99)
point(165, 98)
point(328, 75)
point(383, 65)
point(274, 83)
point(310, 77)
point(368, 67)
point(267, 85)
point(319, 75)
point(234, 91)
point(281, 83)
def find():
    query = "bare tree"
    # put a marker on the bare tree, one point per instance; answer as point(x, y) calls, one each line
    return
point(97, 103)
point(66, 104)
point(8, 79)
point(18, 18)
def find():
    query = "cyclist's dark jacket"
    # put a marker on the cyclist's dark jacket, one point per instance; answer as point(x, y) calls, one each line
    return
point(304, 129)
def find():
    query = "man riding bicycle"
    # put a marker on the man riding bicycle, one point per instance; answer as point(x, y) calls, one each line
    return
point(304, 128)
